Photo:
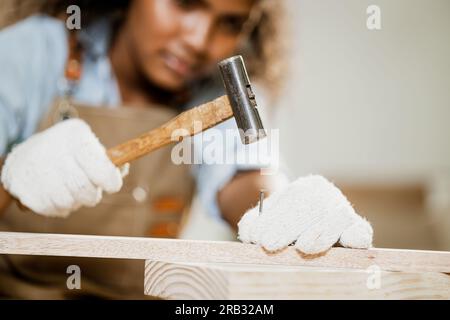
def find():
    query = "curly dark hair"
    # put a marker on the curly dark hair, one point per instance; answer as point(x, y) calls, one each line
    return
point(264, 52)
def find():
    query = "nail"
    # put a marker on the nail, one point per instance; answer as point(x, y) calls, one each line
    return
point(261, 200)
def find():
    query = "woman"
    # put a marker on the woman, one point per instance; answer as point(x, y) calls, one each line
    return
point(154, 58)
point(142, 54)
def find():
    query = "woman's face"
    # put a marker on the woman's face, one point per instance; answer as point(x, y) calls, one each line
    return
point(176, 41)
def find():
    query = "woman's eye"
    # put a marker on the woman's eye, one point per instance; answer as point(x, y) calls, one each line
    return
point(232, 25)
point(187, 4)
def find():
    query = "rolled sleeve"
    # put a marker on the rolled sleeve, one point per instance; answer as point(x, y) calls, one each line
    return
point(32, 58)
point(12, 102)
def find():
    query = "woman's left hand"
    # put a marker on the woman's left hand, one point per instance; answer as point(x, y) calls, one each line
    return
point(311, 213)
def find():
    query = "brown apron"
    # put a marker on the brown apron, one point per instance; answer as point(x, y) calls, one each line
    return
point(152, 203)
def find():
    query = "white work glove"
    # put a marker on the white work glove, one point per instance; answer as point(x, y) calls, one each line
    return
point(310, 212)
point(58, 170)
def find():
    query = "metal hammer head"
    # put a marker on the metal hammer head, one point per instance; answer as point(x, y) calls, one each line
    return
point(242, 99)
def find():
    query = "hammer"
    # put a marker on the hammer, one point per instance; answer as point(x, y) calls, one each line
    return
point(239, 102)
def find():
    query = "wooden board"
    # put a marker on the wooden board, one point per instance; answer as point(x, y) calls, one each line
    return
point(212, 281)
point(191, 251)
point(224, 281)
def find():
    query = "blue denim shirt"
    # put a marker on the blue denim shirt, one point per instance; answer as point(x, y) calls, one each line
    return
point(33, 55)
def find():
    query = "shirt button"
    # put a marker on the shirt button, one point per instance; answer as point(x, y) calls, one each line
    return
point(139, 194)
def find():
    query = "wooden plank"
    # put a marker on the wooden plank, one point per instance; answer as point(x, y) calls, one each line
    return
point(212, 281)
point(189, 251)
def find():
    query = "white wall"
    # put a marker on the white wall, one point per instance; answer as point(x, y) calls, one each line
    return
point(368, 105)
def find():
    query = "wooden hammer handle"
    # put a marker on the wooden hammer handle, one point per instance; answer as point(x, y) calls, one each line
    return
point(190, 122)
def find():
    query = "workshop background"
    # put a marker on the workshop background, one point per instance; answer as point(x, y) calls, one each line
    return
point(370, 110)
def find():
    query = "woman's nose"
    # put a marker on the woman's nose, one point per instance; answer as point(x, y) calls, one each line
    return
point(197, 33)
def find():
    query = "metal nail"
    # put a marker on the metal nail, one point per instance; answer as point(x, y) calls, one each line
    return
point(261, 200)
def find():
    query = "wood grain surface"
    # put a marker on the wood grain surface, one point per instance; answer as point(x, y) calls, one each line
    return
point(194, 251)
point(224, 281)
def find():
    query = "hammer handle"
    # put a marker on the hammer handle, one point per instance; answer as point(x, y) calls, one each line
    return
point(208, 115)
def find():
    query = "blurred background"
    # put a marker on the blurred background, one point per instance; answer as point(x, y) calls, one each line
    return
point(368, 109)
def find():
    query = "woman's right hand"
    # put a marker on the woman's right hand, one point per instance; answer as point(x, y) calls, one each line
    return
point(58, 170)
